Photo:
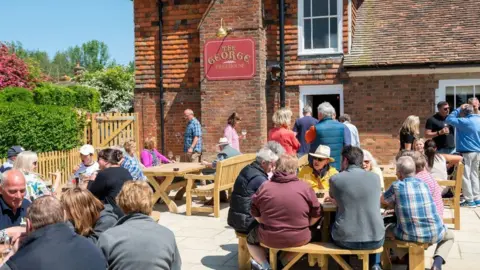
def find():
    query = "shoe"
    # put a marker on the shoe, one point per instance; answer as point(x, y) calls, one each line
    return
point(376, 267)
point(468, 204)
point(477, 202)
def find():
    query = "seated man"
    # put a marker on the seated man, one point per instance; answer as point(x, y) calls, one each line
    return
point(12, 154)
point(319, 171)
point(13, 205)
point(89, 167)
point(137, 241)
point(417, 217)
point(47, 232)
point(285, 208)
point(358, 222)
point(226, 151)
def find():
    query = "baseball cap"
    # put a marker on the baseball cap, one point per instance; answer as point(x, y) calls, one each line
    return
point(14, 151)
point(87, 149)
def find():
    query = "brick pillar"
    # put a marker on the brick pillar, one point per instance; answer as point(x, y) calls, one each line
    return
point(219, 99)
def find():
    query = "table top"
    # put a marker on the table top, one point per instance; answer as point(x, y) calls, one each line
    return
point(167, 169)
point(327, 206)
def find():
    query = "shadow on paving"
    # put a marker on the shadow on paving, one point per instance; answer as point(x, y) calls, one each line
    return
point(213, 261)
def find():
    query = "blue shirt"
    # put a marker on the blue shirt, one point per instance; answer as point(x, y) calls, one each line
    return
point(301, 126)
point(417, 216)
point(133, 166)
point(468, 131)
point(8, 218)
point(193, 130)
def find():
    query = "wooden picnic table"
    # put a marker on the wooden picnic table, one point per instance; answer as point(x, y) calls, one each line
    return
point(167, 170)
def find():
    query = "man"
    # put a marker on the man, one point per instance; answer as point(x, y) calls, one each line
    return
point(417, 217)
point(347, 121)
point(226, 151)
point(328, 132)
point(248, 181)
point(51, 244)
point(13, 205)
point(358, 224)
point(88, 167)
point(442, 134)
point(12, 154)
point(468, 143)
point(193, 137)
point(300, 128)
point(137, 241)
point(475, 103)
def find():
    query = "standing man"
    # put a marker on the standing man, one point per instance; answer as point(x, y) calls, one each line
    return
point(300, 128)
point(468, 143)
point(12, 154)
point(440, 131)
point(347, 121)
point(474, 102)
point(328, 132)
point(193, 137)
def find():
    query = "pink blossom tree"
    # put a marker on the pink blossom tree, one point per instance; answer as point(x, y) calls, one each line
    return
point(13, 70)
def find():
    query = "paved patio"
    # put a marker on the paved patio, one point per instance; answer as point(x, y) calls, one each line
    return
point(206, 242)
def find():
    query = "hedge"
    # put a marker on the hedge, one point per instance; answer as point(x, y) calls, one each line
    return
point(50, 94)
point(87, 98)
point(16, 94)
point(39, 128)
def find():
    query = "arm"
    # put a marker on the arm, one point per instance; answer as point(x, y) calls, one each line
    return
point(295, 142)
point(314, 204)
point(161, 157)
point(295, 128)
point(388, 198)
point(453, 119)
point(310, 135)
point(146, 159)
point(452, 159)
point(228, 133)
point(255, 211)
point(256, 183)
point(177, 260)
point(347, 136)
point(197, 133)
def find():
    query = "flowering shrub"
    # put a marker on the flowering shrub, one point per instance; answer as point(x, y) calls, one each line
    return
point(13, 70)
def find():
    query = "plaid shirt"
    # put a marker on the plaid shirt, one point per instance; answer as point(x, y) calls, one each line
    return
point(133, 166)
point(417, 217)
point(193, 130)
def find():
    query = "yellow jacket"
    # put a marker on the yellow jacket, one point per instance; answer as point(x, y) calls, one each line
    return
point(306, 175)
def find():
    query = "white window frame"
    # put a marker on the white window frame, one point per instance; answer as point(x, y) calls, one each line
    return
point(301, 47)
point(309, 90)
point(441, 92)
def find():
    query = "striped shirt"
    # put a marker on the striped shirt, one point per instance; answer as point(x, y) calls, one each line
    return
point(417, 217)
point(435, 189)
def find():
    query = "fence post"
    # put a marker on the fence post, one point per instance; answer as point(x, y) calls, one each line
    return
point(94, 129)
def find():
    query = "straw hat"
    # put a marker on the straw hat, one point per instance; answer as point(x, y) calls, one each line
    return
point(222, 141)
point(322, 151)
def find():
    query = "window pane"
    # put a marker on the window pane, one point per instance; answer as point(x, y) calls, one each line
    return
point(477, 91)
point(333, 7)
point(306, 8)
point(463, 94)
point(320, 7)
point(333, 33)
point(320, 33)
point(307, 33)
point(450, 97)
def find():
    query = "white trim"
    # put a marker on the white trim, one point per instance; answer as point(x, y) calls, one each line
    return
point(308, 90)
point(349, 26)
point(418, 71)
point(441, 92)
point(300, 25)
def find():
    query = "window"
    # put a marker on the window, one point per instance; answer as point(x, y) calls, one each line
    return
point(319, 26)
point(314, 95)
point(457, 92)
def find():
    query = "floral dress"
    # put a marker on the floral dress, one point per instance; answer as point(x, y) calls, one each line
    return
point(36, 187)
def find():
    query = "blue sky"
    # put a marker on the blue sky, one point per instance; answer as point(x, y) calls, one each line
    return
point(53, 25)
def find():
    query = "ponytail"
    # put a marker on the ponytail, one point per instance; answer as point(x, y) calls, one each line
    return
point(430, 150)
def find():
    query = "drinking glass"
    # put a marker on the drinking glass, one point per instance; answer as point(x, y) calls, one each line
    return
point(170, 155)
point(177, 158)
point(244, 133)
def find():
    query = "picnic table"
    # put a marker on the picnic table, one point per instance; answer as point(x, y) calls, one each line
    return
point(167, 170)
point(327, 209)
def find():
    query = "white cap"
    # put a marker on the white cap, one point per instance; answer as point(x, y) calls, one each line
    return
point(87, 149)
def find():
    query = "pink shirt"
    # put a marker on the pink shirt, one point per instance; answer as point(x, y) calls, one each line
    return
point(231, 134)
point(434, 188)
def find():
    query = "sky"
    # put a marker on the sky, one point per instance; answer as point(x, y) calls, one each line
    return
point(55, 25)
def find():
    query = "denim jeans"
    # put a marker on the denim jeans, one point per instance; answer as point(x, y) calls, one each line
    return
point(446, 150)
point(373, 258)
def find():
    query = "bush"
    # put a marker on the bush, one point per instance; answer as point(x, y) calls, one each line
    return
point(39, 128)
point(13, 70)
point(87, 98)
point(16, 94)
point(50, 94)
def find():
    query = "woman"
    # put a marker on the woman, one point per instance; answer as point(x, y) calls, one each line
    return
point(35, 185)
point(230, 131)
point(319, 171)
point(281, 133)
point(409, 131)
point(438, 164)
point(371, 165)
point(130, 149)
point(150, 157)
point(418, 145)
point(86, 213)
point(110, 178)
point(131, 162)
point(286, 208)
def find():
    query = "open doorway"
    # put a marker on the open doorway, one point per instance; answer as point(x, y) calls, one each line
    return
point(315, 95)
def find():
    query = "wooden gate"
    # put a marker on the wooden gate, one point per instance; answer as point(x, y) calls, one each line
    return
point(112, 129)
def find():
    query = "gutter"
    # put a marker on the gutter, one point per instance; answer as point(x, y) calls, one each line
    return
point(281, 9)
point(162, 100)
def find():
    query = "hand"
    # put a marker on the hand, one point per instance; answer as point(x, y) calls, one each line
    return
point(190, 150)
point(464, 106)
point(15, 232)
point(172, 161)
point(56, 174)
point(445, 130)
point(17, 240)
point(76, 168)
point(204, 162)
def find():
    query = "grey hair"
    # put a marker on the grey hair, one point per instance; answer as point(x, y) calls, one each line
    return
point(470, 100)
point(307, 109)
point(406, 166)
point(345, 117)
point(467, 110)
point(326, 109)
point(266, 155)
point(24, 161)
point(368, 156)
point(276, 148)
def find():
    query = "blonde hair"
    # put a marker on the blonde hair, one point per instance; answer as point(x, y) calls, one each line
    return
point(282, 117)
point(82, 208)
point(128, 145)
point(368, 156)
point(422, 140)
point(411, 125)
point(287, 163)
point(135, 197)
point(149, 143)
point(25, 160)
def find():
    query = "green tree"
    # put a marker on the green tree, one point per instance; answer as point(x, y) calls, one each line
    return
point(92, 55)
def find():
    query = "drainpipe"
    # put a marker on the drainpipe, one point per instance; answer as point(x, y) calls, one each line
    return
point(160, 62)
point(281, 8)
point(349, 25)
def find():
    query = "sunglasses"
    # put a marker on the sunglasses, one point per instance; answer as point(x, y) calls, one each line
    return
point(319, 159)
point(35, 163)
point(446, 109)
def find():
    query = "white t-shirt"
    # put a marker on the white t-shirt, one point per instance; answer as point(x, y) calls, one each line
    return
point(87, 171)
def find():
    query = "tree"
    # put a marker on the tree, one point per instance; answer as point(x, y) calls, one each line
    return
point(92, 55)
point(13, 70)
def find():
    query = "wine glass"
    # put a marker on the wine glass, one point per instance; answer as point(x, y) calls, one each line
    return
point(170, 155)
point(244, 133)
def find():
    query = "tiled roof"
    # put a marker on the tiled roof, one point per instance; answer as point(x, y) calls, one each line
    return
point(406, 32)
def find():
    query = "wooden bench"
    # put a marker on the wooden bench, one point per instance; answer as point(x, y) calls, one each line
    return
point(243, 253)
point(454, 203)
point(319, 252)
point(224, 178)
point(416, 252)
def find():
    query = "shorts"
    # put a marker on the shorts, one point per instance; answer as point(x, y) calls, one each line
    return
point(252, 237)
